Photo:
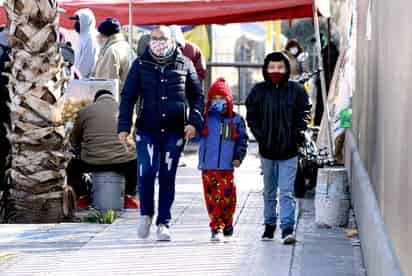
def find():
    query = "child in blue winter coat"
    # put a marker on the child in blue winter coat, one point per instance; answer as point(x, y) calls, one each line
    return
point(223, 146)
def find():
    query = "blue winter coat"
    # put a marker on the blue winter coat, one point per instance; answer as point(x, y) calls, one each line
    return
point(217, 150)
point(162, 91)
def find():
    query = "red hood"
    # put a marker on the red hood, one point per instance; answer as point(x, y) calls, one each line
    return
point(221, 88)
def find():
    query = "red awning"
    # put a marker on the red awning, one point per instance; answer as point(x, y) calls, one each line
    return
point(2, 14)
point(181, 12)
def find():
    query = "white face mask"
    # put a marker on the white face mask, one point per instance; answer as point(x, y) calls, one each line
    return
point(161, 48)
point(294, 51)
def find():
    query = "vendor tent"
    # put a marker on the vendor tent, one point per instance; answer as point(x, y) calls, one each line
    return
point(181, 12)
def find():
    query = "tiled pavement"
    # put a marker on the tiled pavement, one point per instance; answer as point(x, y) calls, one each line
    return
point(93, 249)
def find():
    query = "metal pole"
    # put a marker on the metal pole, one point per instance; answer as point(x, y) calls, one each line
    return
point(131, 29)
point(326, 114)
point(238, 89)
point(330, 73)
point(208, 80)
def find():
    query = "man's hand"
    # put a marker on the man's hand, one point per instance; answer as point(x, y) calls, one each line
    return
point(123, 137)
point(236, 163)
point(190, 132)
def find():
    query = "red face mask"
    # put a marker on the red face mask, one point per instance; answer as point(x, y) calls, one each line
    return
point(277, 77)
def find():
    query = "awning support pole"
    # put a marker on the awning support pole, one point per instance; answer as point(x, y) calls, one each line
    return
point(326, 114)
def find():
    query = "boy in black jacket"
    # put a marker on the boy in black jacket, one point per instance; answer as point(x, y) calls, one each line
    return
point(278, 111)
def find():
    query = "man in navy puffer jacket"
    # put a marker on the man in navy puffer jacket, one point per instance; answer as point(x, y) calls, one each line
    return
point(162, 81)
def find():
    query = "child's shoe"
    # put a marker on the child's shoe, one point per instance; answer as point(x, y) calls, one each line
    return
point(228, 231)
point(216, 235)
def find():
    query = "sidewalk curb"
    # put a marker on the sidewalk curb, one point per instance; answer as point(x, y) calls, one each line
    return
point(379, 257)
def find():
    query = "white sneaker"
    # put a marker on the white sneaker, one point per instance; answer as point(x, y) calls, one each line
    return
point(216, 236)
point(143, 230)
point(163, 233)
point(289, 239)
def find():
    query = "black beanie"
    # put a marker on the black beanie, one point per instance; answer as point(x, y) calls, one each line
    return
point(109, 26)
point(101, 93)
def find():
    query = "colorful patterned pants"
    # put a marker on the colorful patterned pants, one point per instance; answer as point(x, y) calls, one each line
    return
point(220, 196)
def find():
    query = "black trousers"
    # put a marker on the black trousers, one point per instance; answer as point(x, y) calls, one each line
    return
point(77, 168)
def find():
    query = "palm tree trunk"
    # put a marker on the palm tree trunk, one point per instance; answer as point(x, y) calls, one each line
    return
point(39, 145)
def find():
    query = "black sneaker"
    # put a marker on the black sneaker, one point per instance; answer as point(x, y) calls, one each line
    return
point(269, 232)
point(228, 231)
point(288, 237)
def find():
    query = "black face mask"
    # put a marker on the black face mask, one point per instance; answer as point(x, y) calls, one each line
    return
point(77, 27)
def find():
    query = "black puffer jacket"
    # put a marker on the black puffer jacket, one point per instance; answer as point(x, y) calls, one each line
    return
point(163, 92)
point(277, 115)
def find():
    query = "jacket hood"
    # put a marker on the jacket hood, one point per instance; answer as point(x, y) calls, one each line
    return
point(275, 56)
point(114, 38)
point(87, 21)
point(177, 35)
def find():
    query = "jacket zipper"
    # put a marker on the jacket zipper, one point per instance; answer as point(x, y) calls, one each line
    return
point(140, 109)
point(220, 142)
point(204, 153)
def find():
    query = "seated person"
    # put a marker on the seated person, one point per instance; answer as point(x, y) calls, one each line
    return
point(95, 133)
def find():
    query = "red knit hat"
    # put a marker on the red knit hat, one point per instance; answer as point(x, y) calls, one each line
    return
point(220, 88)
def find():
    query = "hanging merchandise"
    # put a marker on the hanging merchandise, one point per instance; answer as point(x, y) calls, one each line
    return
point(369, 22)
point(345, 118)
point(198, 35)
point(342, 85)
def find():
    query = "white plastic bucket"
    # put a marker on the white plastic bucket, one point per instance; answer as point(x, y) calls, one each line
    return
point(108, 190)
point(332, 199)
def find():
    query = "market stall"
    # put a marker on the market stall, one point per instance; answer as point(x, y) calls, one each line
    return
point(147, 12)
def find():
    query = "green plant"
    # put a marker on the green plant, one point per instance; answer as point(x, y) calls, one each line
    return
point(5, 257)
point(99, 216)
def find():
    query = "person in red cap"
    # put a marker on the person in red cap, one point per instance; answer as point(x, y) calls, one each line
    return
point(223, 146)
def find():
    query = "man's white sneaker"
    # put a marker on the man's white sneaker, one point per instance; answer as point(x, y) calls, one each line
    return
point(288, 237)
point(163, 233)
point(143, 230)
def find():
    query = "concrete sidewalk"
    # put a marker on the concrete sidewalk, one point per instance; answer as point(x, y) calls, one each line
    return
point(93, 249)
